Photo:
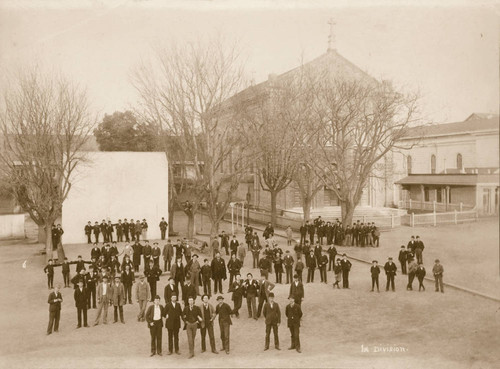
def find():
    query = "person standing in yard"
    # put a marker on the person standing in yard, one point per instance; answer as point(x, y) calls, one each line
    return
point(272, 315)
point(143, 294)
point(403, 257)
point(438, 270)
point(54, 301)
point(103, 297)
point(241, 253)
point(375, 272)
point(390, 271)
point(49, 270)
point(288, 260)
point(118, 299)
point(412, 269)
point(154, 317)
point(223, 310)
point(191, 315)
point(419, 249)
point(294, 313)
point(338, 274)
point(163, 228)
point(80, 296)
point(207, 324)
point(346, 268)
point(289, 236)
point(420, 273)
point(296, 290)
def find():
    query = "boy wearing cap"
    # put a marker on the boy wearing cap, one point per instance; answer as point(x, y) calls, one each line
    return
point(103, 298)
point(272, 315)
point(154, 317)
point(143, 294)
point(390, 271)
point(438, 270)
point(223, 310)
point(375, 271)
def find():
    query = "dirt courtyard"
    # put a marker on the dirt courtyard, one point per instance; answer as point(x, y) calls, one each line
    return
point(340, 328)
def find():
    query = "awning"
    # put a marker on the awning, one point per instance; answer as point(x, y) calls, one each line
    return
point(449, 179)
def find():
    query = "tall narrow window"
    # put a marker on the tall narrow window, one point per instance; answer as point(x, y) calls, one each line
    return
point(459, 161)
point(408, 164)
point(433, 164)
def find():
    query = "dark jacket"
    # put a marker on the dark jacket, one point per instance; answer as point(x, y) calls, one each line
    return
point(54, 305)
point(218, 269)
point(150, 312)
point(293, 313)
point(81, 298)
point(173, 315)
point(272, 314)
point(375, 271)
point(169, 291)
point(224, 311)
point(390, 268)
point(297, 292)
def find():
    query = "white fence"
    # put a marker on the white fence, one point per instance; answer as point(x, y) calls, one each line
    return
point(454, 217)
point(433, 206)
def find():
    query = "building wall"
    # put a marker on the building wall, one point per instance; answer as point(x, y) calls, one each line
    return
point(487, 150)
point(117, 185)
point(12, 226)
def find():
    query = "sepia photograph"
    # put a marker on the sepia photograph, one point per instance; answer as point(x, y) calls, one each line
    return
point(249, 184)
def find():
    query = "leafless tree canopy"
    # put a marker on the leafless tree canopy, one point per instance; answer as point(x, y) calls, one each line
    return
point(185, 91)
point(44, 124)
point(357, 123)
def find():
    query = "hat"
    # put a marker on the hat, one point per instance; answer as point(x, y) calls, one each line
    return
point(155, 243)
point(344, 255)
point(220, 297)
point(117, 277)
point(436, 261)
point(157, 297)
point(374, 261)
point(142, 276)
point(390, 258)
point(271, 294)
point(104, 277)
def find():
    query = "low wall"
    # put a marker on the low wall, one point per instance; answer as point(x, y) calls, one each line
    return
point(12, 226)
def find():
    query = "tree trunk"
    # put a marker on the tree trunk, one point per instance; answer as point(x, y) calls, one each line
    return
point(347, 208)
point(171, 220)
point(274, 196)
point(60, 252)
point(306, 208)
point(214, 228)
point(190, 226)
point(48, 243)
point(41, 234)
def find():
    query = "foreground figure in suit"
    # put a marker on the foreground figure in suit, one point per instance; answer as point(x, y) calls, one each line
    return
point(54, 301)
point(293, 312)
point(191, 315)
point(272, 314)
point(80, 296)
point(223, 310)
point(154, 317)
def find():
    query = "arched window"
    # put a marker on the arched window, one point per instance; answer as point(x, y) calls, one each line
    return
point(459, 161)
point(433, 164)
point(408, 164)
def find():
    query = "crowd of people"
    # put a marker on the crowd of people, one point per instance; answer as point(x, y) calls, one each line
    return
point(112, 273)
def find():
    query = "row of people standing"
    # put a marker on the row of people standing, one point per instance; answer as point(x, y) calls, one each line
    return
point(121, 231)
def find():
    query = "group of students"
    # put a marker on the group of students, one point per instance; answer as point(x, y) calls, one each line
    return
point(334, 233)
point(122, 231)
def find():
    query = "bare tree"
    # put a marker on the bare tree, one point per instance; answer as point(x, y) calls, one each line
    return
point(44, 123)
point(308, 182)
point(357, 123)
point(275, 120)
point(185, 90)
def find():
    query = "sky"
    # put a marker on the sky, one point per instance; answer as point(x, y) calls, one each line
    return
point(447, 51)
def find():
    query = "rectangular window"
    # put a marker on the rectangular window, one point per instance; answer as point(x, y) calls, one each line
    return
point(439, 193)
point(426, 193)
point(449, 195)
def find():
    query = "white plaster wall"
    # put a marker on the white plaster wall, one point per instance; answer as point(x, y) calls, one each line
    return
point(11, 225)
point(117, 185)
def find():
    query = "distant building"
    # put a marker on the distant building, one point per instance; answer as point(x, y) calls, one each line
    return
point(451, 164)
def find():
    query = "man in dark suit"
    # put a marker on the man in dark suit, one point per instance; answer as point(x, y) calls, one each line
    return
point(170, 290)
point(80, 296)
point(88, 232)
point(218, 272)
point(191, 315)
point(54, 301)
point(346, 268)
point(163, 228)
point(168, 254)
point(128, 279)
point(188, 291)
point(97, 230)
point(311, 266)
point(154, 317)
point(207, 324)
point(250, 290)
point(146, 254)
point(296, 290)
point(303, 232)
point(109, 231)
point(177, 273)
point(293, 312)
point(311, 230)
point(224, 312)
point(233, 245)
point(390, 271)
point(403, 258)
point(153, 274)
point(237, 289)
point(95, 253)
point(126, 229)
point(375, 271)
point(119, 230)
point(173, 313)
point(272, 315)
